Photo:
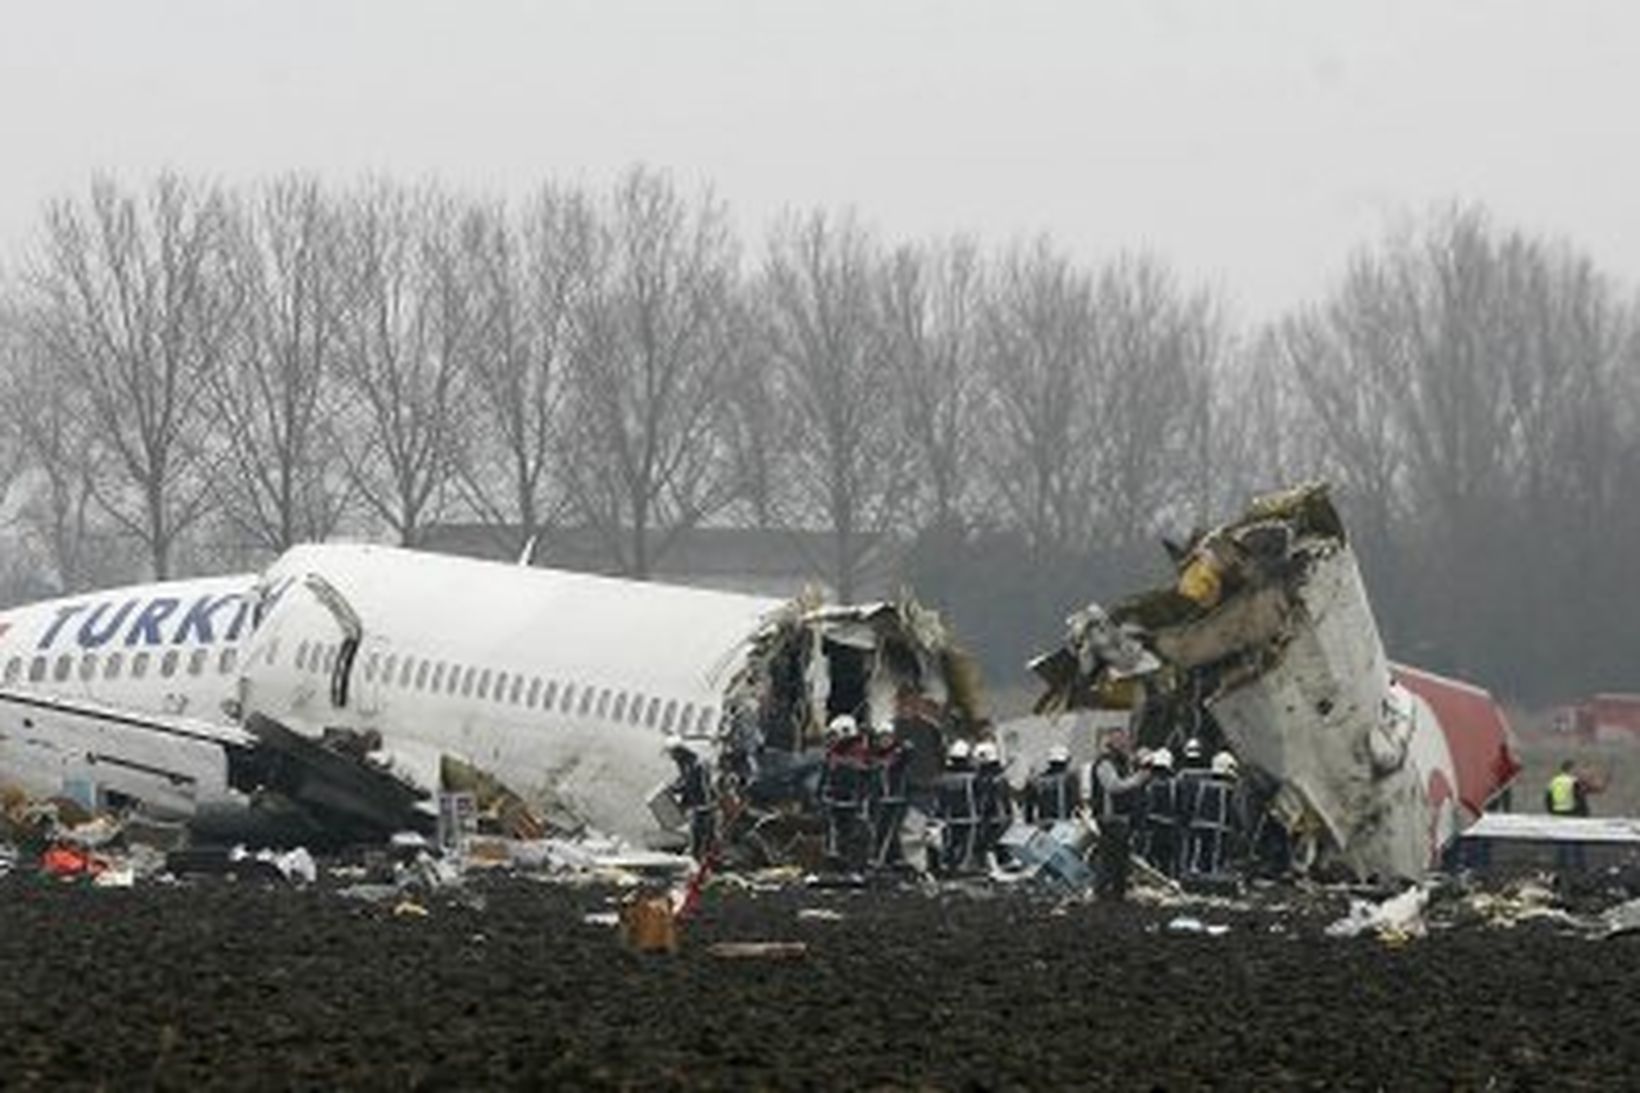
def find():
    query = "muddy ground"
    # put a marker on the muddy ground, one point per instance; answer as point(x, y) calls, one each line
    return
point(252, 985)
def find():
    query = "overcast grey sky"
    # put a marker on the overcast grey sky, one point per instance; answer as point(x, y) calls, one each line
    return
point(1248, 143)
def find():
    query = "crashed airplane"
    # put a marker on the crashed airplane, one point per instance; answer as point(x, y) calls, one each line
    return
point(352, 684)
point(1266, 645)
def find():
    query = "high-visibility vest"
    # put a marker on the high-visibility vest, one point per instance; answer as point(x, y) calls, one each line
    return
point(1563, 794)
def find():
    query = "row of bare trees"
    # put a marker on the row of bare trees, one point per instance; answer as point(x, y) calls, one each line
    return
point(200, 376)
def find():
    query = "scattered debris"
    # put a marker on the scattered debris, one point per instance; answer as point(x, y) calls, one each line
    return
point(1185, 924)
point(759, 950)
point(649, 924)
point(409, 908)
point(819, 914)
point(1394, 920)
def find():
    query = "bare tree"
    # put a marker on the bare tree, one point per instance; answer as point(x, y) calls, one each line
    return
point(645, 454)
point(274, 396)
point(132, 308)
point(1039, 338)
point(1154, 351)
point(1472, 376)
point(932, 302)
point(532, 280)
point(405, 330)
point(848, 449)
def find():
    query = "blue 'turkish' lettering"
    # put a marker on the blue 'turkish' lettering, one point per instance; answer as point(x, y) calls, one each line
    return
point(198, 618)
point(95, 633)
point(146, 627)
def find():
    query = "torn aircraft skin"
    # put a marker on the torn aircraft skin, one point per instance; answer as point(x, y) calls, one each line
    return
point(883, 664)
point(1267, 642)
point(355, 683)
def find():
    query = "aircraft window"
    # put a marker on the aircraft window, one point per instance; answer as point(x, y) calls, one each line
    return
point(669, 715)
point(654, 712)
point(708, 717)
point(551, 694)
point(484, 683)
point(685, 718)
point(407, 673)
point(330, 658)
point(139, 665)
point(370, 668)
point(501, 686)
point(438, 676)
point(168, 663)
point(273, 650)
point(196, 661)
point(619, 712)
point(517, 689)
point(14, 668)
point(88, 666)
point(111, 666)
point(637, 708)
point(535, 691)
point(301, 655)
point(37, 669)
point(389, 664)
point(468, 677)
point(569, 697)
point(64, 667)
point(228, 660)
point(587, 695)
point(603, 702)
point(421, 673)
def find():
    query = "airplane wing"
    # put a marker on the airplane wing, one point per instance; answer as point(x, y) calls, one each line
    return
point(172, 764)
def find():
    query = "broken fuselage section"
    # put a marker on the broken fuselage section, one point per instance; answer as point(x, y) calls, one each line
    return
point(887, 665)
point(1266, 645)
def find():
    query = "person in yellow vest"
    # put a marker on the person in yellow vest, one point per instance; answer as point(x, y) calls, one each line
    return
point(1566, 794)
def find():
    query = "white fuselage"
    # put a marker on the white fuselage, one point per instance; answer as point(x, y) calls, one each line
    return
point(561, 685)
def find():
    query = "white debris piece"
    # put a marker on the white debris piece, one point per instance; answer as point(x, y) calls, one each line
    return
point(1399, 916)
point(819, 914)
point(8, 858)
point(1622, 919)
point(1190, 924)
point(296, 866)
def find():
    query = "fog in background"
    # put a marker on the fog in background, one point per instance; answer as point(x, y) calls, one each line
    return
point(1001, 292)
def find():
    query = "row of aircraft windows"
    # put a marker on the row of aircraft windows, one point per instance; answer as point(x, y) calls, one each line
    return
point(532, 692)
point(115, 664)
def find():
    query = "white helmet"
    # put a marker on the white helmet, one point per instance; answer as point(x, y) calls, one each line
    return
point(959, 751)
point(1193, 748)
point(843, 727)
point(1059, 753)
point(1162, 758)
point(1224, 763)
point(986, 752)
point(883, 730)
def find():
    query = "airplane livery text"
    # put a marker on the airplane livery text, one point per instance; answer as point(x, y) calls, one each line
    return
point(160, 620)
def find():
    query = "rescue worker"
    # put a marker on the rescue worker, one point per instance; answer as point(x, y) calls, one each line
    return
point(890, 794)
point(1053, 794)
point(693, 792)
point(993, 798)
point(1567, 795)
point(1161, 817)
point(1113, 789)
point(1210, 815)
point(843, 794)
point(957, 810)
